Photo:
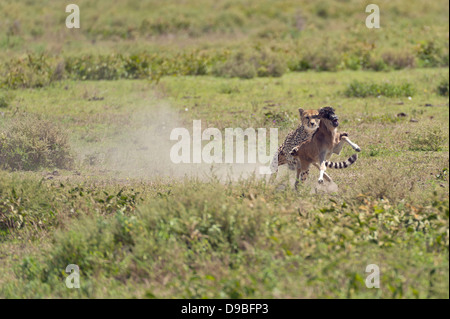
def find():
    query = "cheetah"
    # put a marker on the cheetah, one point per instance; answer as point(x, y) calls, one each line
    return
point(318, 149)
point(309, 124)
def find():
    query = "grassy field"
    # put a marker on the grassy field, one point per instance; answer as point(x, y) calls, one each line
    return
point(86, 177)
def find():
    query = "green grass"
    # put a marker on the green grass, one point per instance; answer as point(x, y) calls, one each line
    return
point(241, 241)
point(141, 227)
point(152, 39)
point(359, 89)
point(162, 237)
point(6, 99)
point(432, 140)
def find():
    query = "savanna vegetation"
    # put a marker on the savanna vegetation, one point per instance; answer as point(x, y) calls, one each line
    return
point(85, 119)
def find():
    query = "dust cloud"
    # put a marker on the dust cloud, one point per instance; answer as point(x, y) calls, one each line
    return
point(142, 150)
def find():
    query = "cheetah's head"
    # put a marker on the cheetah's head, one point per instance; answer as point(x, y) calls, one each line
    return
point(310, 119)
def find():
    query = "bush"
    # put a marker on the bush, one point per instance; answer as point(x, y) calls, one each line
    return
point(35, 71)
point(365, 89)
point(29, 72)
point(430, 54)
point(30, 143)
point(319, 60)
point(399, 59)
point(109, 67)
point(247, 65)
point(138, 66)
point(377, 64)
point(355, 55)
point(29, 206)
point(270, 65)
point(39, 71)
point(237, 68)
point(89, 247)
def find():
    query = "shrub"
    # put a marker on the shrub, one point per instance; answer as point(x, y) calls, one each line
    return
point(25, 205)
point(321, 59)
point(29, 72)
point(29, 206)
point(355, 55)
point(247, 65)
point(29, 143)
point(399, 59)
point(238, 65)
point(110, 67)
point(270, 65)
point(138, 66)
point(430, 54)
point(194, 63)
point(376, 64)
point(365, 89)
point(89, 246)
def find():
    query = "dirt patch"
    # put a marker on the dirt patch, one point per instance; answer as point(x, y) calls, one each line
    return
point(325, 188)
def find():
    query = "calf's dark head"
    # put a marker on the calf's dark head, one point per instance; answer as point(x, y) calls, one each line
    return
point(327, 114)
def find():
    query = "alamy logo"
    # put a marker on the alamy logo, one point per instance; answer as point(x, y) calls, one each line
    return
point(212, 152)
point(373, 280)
point(373, 19)
point(73, 19)
point(73, 280)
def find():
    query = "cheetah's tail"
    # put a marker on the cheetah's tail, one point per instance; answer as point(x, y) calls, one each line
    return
point(274, 163)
